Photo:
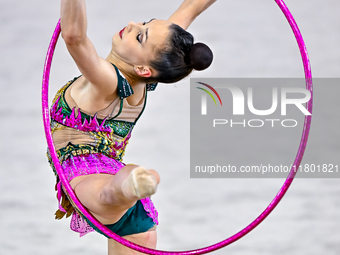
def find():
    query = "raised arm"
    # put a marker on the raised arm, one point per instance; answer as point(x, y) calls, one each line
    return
point(188, 11)
point(96, 70)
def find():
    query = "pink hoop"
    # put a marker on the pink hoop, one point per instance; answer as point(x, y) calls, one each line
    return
point(243, 232)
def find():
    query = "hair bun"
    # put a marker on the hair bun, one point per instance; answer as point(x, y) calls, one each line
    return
point(200, 56)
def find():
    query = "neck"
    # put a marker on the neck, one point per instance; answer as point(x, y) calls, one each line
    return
point(126, 69)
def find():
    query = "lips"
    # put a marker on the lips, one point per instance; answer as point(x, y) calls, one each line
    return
point(121, 33)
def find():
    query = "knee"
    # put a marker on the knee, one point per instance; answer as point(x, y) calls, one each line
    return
point(106, 196)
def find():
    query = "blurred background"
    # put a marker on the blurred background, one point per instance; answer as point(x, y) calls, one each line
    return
point(249, 39)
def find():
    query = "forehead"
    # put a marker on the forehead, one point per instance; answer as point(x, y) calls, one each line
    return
point(159, 22)
point(158, 30)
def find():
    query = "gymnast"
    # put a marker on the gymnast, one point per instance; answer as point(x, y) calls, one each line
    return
point(92, 117)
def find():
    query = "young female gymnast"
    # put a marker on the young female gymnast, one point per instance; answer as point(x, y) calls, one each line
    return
point(93, 115)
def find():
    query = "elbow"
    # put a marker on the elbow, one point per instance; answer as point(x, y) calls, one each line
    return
point(73, 36)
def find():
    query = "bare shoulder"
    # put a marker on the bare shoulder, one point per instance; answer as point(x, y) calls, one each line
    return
point(103, 78)
point(98, 71)
point(96, 94)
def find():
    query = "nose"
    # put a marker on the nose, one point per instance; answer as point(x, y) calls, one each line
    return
point(132, 25)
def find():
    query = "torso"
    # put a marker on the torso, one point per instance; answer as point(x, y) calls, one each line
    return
point(104, 125)
point(88, 129)
point(118, 116)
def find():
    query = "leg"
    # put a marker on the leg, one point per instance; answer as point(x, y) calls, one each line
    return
point(147, 239)
point(108, 197)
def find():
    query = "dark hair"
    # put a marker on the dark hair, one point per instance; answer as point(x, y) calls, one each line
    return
point(180, 56)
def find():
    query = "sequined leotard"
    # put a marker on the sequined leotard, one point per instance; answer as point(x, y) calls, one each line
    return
point(88, 143)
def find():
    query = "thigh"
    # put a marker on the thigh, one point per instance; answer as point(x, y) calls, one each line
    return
point(147, 239)
point(89, 190)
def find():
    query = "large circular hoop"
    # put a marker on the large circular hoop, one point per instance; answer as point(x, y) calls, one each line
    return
point(240, 234)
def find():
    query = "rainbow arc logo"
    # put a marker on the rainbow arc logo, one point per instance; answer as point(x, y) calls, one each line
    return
point(209, 93)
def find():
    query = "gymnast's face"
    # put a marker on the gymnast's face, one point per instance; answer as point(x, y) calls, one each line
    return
point(137, 43)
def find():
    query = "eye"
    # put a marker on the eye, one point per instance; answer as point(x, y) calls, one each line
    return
point(139, 37)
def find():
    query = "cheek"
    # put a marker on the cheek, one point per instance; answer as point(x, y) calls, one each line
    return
point(131, 52)
point(127, 52)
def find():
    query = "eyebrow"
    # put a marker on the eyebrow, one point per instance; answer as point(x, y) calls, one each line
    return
point(147, 30)
point(146, 34)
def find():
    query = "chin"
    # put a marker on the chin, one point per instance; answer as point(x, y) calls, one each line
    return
point(114, 41)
